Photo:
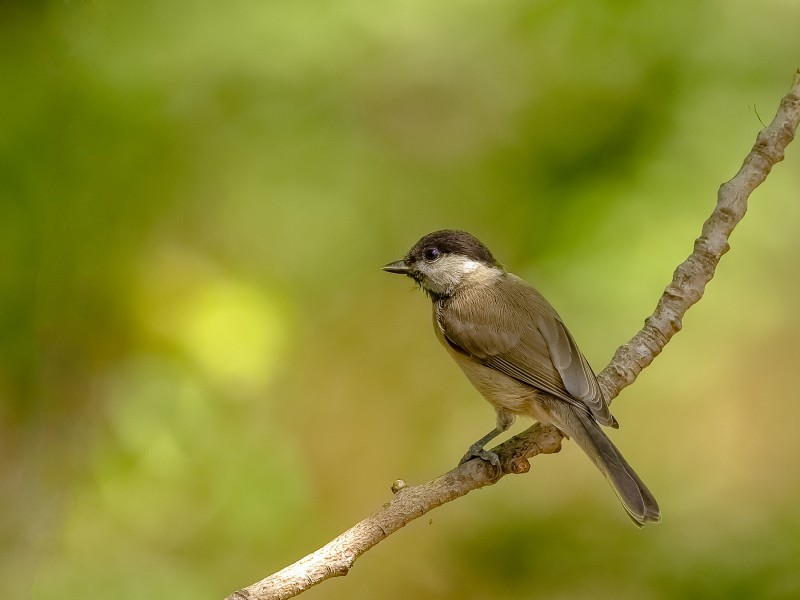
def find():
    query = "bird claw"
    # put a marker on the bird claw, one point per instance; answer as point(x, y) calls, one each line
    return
point(487, 455)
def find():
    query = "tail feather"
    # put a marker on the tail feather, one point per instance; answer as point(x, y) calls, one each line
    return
point(631, 491)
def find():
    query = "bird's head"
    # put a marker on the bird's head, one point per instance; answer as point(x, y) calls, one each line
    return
point(443, 260)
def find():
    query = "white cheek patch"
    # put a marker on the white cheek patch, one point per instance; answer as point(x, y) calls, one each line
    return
point(468, 266)
point(458, 266)
point(442, 276)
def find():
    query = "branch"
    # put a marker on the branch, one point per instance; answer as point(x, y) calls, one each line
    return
point(337, 556)
point(690, 278)
point(687, 287)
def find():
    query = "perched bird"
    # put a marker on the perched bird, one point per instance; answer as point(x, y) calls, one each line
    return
point(516, 350)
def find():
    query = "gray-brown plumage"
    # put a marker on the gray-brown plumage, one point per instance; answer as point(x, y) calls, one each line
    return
point(516, 350)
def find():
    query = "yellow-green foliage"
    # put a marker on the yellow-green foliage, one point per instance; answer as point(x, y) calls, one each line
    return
point(204, 374)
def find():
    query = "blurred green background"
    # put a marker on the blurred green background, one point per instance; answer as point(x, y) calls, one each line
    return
point(204, 374)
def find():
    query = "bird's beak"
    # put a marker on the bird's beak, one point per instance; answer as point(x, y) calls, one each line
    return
point(400, 267)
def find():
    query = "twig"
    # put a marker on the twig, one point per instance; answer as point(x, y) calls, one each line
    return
point(687, 287)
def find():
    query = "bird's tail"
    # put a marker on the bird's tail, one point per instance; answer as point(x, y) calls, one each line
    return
point(631, 491)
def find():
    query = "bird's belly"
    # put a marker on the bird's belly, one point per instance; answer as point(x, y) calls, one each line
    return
point(502, 391)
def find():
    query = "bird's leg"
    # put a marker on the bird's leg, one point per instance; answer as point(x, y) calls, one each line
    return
point(476, 450)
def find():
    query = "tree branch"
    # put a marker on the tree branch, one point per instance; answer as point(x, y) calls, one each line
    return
point(690, 278)
point(687, 287)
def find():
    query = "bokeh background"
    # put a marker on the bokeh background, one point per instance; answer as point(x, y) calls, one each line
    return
point(204, 375)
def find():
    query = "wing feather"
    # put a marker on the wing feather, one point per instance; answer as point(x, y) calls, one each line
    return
point(536, 349)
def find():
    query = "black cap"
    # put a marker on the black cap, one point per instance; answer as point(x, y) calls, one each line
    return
point(452, 241)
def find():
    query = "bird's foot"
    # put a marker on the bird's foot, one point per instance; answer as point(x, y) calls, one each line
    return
point(476, 451)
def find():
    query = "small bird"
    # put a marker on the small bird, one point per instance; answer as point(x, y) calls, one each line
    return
point(514, 348)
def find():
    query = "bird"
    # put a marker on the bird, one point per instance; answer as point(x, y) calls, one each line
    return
point(517, 352)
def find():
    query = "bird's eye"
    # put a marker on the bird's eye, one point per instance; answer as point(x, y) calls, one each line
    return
point(431, 254)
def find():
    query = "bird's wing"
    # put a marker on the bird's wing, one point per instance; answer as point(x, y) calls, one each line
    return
point(523, 338)
point(576, 374)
